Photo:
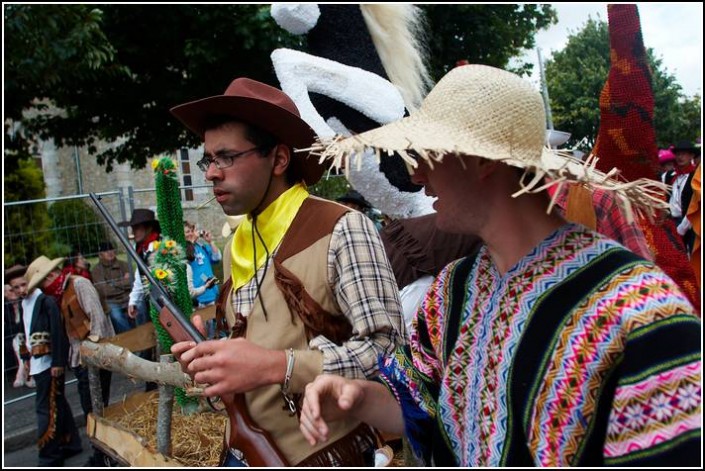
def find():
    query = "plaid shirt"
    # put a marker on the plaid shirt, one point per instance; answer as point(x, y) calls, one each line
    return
point(363, 283)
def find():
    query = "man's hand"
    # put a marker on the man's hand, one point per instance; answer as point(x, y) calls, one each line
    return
point(328, 398)
point(231, 365)
point(132, 311)
point(179, 348)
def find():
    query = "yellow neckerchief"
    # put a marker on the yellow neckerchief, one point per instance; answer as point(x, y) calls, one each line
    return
point(272, 224)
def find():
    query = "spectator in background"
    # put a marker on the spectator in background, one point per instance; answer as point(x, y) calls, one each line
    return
point(145, 230)
point(111, 278)
point(201, 253)
point(694, 218)
point(194, 291)
point(204, 253)
point(76, 264)
point(16, 353)
point(353, 199)
point(682, 190)
point(667, 160)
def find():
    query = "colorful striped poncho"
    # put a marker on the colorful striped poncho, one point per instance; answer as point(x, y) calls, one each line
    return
point(582, 354)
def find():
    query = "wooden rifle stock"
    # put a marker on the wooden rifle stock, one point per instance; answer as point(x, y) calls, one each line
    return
point(245, 435)
point(255, 443)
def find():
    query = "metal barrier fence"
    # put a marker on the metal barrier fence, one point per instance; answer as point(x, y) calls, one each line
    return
point(52, 227)
point(56, 226)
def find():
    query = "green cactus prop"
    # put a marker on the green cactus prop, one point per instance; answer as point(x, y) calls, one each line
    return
point(168, 264)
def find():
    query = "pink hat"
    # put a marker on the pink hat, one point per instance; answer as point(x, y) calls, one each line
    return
point(665, 155)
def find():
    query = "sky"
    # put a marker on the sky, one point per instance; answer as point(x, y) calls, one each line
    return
point(673, 30)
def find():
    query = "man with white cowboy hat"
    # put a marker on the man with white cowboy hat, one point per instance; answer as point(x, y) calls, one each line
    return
point(308, 277)
point(49, 349)
point(83, 315)
point(553, 346)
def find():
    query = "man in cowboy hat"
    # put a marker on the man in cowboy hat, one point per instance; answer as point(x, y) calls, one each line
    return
point(553, 346)
point(145, 230)
point(83, 315)
point(334, 306)
point(682, 190)
point(49, 349)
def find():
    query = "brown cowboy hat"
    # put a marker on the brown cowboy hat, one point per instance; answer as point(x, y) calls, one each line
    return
point(141, 216)
point(260, 105)
point(15, 271)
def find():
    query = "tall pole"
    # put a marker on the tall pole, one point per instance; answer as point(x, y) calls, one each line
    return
point(544, 91)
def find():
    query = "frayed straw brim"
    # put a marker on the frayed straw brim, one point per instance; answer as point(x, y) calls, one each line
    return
point(431, 143)
point(478, 110)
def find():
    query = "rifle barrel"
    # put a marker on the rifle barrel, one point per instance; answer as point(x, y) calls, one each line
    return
point(162, 297)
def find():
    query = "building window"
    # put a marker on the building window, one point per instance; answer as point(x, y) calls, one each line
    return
point(186, 173)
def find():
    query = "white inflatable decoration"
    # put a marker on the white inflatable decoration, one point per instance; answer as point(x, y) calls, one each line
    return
point(300, 73)
point(352, 74)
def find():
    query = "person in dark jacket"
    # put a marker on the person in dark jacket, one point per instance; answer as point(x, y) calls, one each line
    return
point(49, 346)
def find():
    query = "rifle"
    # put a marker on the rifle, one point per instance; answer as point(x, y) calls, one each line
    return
point(256, 444)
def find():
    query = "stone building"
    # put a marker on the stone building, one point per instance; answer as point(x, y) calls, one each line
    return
point(72, 171)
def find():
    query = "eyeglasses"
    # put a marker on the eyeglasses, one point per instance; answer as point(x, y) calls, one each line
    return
point(221, 160)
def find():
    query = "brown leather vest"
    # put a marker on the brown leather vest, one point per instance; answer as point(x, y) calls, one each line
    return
point(77, 322)
point(315, 219)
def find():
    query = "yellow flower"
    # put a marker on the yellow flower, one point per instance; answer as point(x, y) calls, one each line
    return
point(155, 164)
point(170, 244)
point(161, 274)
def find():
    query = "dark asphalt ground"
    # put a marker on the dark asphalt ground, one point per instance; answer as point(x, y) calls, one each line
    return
point(20, 420)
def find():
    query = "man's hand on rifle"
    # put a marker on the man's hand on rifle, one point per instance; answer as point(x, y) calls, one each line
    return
point(230, 365)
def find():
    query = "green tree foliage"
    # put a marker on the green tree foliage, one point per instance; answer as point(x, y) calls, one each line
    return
point(161, 56)
point(25, 227)
point(115, 70)
point(576, 75)
point(330, 187)
point(76, 226)
point(483, 34)
point(49, 50)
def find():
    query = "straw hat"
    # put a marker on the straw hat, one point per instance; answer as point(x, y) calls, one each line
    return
point(39, 269)
point(488, 112)
point(231, 223)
